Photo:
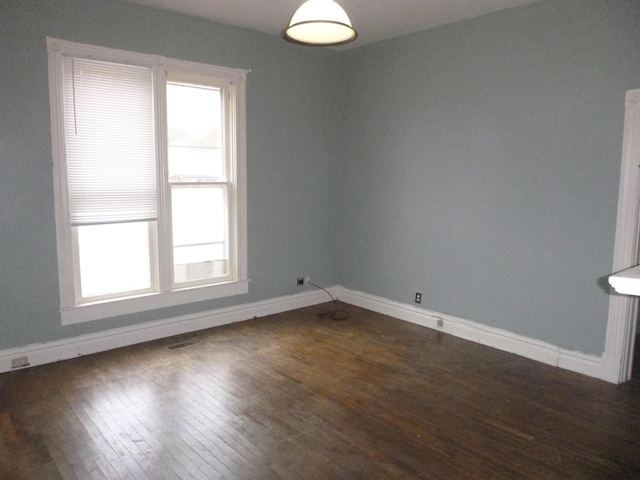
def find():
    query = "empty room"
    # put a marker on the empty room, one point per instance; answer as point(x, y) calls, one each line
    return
point(232, 250)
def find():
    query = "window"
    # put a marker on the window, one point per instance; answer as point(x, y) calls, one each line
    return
point(149, 167)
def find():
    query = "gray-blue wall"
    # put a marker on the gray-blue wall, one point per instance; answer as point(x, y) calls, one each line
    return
point(293, 97)
point(482, 165)
point(476, 163)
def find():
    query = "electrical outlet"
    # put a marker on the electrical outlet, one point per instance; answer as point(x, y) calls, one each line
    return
point(300, 281)
point(418, 297)
point(20, 362)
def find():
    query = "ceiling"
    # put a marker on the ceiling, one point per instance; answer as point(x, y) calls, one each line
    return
point(374, 20)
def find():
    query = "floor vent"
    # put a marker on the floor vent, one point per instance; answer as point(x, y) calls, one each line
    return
point(188, 343)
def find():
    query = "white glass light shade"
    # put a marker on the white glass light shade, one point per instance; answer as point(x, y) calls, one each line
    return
point(320, 23)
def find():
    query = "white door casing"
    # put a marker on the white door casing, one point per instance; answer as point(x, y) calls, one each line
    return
point(619, 343)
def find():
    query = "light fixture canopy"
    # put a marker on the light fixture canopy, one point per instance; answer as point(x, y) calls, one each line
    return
point(321, 23)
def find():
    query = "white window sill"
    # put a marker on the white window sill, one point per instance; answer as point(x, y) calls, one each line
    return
point(125, 306)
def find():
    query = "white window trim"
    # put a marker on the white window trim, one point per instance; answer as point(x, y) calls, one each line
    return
point(72, 313)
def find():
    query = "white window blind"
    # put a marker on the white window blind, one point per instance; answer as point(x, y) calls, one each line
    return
point(109, 131)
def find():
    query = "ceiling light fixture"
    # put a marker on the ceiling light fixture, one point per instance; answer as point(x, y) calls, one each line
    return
point(321, 23)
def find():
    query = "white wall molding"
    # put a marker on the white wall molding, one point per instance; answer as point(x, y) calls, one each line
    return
point(40, 354)
point(590, 365)
point(621, 324)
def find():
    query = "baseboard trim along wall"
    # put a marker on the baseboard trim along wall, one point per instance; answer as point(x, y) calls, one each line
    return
point(39, 354)
point(590, 365)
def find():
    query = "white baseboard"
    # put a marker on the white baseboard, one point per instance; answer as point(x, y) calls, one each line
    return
point(40, 354)
point(590, 365)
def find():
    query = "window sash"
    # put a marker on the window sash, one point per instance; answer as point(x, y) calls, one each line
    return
point(111, 258)
point(215, 136)
point(192, 234)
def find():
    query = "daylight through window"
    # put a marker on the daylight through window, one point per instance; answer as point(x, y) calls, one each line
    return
point(150, 183)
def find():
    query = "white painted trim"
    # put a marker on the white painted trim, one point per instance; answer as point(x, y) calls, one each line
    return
point(40, 354)
point(623, 309)
point(547, 353)
point(59, 46)
point(590, 365)
point(141, 303)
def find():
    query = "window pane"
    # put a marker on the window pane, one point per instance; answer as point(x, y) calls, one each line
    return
point(200, 222)
point(195, 263)
point(114, 258)
point(195, 164)
point(195, 134)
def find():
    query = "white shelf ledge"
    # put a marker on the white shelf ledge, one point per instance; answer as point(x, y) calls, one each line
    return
point(627, 282)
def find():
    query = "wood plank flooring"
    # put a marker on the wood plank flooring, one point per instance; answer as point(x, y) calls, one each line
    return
point(635, 367)
point(295, 396)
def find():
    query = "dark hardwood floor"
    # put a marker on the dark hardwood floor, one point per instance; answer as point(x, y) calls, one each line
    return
point(297, 397)
point(635, 366)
